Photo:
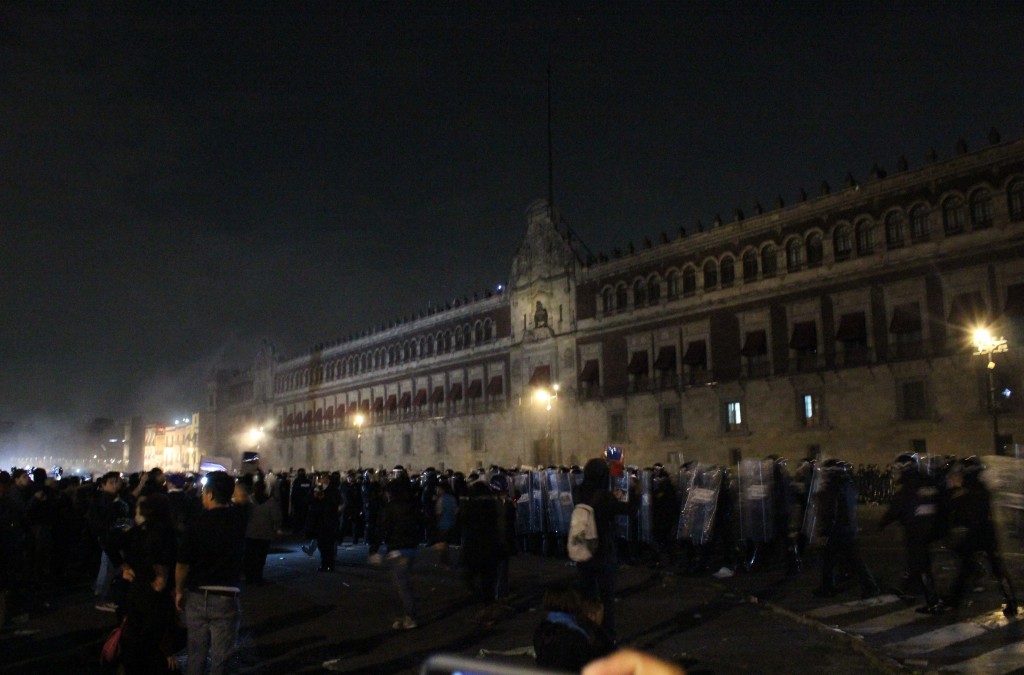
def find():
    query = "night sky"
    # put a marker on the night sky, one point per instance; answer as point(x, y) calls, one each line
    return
point(180, 182)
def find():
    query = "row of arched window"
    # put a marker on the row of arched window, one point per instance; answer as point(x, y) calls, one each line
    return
point(848, 240)
point(385, 356)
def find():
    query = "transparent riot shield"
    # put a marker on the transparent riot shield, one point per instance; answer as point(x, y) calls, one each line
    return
point(813, 484)
point(697, 520)
point(538, 501)
point(646, 510)
point(756, 508)
point(623, 529)
point(687, 474)
point(524, 515)
point(559, 501)
point(1004, 477)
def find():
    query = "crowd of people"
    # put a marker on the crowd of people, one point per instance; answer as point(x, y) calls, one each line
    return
point(170, 552)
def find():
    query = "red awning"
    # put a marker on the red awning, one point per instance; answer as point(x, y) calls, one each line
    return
point(496, 386)
point(852, 328)
point(406, 399)
point(319, 415)
point(352, 407)
point(438, 395)
point(906, 319)
point(290, 420)
point(638, 364)
point(591, 371)
point(541, 377)
point(696, 353)
point(455, 393)
point(421, 397)
point(329, 413)
point(378, 404)
point(392, 402)
point(756, 343)
point(805, 336)
point(476, 389)
point(308, 417)
point(666, 358)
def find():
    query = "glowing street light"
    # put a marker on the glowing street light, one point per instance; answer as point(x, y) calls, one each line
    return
point(986, 344)
point(358, 421)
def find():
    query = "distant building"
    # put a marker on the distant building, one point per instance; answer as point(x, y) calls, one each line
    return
point(838, 325)
point(173, 447)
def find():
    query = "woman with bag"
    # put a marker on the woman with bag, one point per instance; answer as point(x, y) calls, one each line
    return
point(150, 634)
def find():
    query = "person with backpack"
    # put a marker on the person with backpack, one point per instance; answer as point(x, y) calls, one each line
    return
point(597, 575)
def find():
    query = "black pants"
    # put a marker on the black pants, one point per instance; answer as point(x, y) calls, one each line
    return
point(255, 559)
point(843, 549)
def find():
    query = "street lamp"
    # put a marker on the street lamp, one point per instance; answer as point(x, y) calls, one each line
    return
point(358, 420)
point(986, 344)
point(548, 398)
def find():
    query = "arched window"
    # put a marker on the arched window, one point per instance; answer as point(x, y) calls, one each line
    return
point(953, 216)
point(607, 301)
point(815, 250)
point(653, 291)
point(842, 244)
point(981, 209)
point(391, 356)
point(749, 266)
point(728, 271)
point(865, 237)
point(710, 275)
point(458, 337)
point(769, 261)
point(448, 341)
point(689, 281)
point(894, 230)
point(919, 223)
point(621, 297)
point(478, 333)
point(639, 293)
point(1015, 200)
point(794, 255)
point(672, 283)
point(376, 360)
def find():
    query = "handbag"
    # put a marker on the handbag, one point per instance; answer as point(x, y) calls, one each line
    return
point(110, 653)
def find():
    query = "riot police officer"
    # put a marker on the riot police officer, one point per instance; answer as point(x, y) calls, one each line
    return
point(837, 513)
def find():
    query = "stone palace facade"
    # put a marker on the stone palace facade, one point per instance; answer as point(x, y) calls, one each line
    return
point(839, 325)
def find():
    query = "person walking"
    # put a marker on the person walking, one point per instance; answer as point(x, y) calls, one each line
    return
point(208, 573)
point(837, 513)
point(264, 523)
point(403, 530)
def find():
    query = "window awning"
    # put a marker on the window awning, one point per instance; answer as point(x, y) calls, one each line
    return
point(476, 389)
point(638, 364)
point(906, 319)
point(437, 396)
point(308, 417)
point(319, 414)
point(421, 397)
point(755, 344)
point(352, 407)
point(852, 328)
point(968, 310)
point(696, 353)
point(805, 336)
point(495, 386)
point(407, 399)
point(1014, 306)
point(591, 371)
point(666, 358)
point(541, 377)
point(365, 405)
point(455, 393)
point(392, 402)
point(290, 420)
point(329, 413)
point(378, 404)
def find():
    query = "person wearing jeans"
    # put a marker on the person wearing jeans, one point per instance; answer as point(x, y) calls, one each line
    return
point(208, 574)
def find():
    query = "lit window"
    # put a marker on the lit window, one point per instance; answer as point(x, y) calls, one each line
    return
point(810, 410)
point(733, 415)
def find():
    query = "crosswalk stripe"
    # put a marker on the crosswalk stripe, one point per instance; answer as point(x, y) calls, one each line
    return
point(1003, 660)
point(936, 639)
point(854, 606)
point(883, 623)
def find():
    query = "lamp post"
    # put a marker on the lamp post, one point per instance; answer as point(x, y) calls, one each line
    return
point(548, 398)
point(986, 344)
point(359, 419)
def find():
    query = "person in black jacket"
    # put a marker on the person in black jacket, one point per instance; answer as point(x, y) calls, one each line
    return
point(597, 576)
point(108, 517)
point(972, 531)
point(837, 513)
point(916, 505)
point(403, 531)
point(322, 519)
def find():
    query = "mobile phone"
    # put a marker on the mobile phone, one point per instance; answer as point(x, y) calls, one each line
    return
point(449, 664)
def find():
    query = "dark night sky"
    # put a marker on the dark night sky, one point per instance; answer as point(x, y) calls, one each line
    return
point(178, 183)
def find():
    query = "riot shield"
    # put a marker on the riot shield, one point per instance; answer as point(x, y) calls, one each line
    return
point(646, 511)
point(622, 523)
point(813, 484)
point(697, 520)
point(1004, 477)
point(559, 501)
point(687, 474)
point(756, 510)
point(524, 515)
point(538, 498)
